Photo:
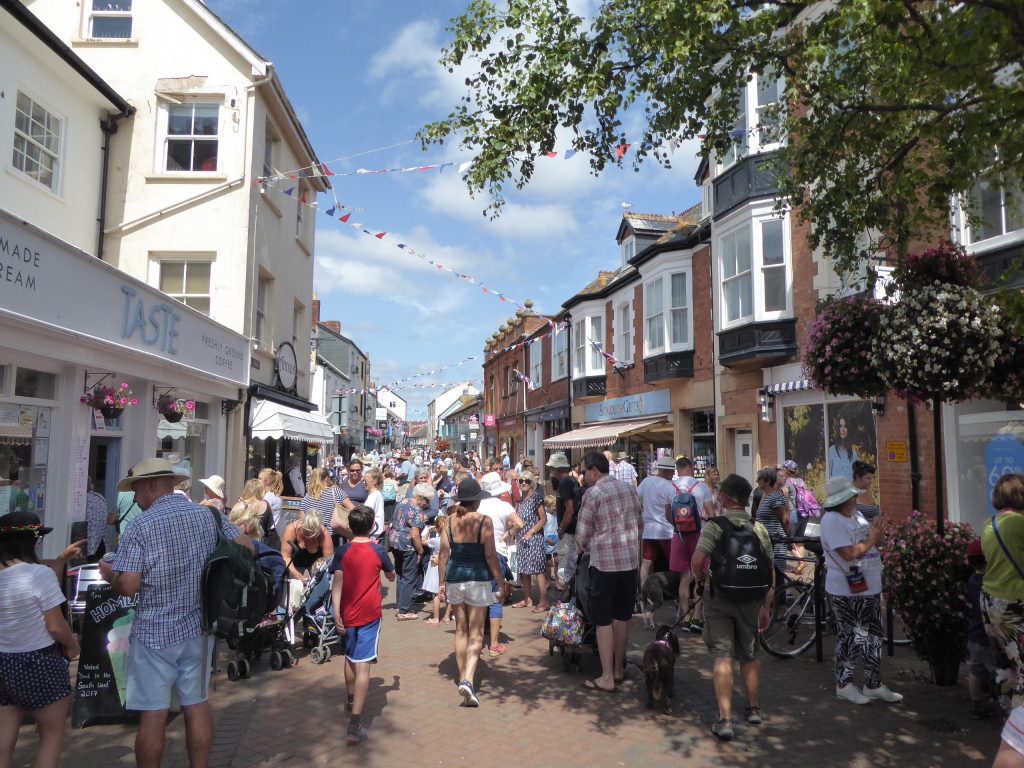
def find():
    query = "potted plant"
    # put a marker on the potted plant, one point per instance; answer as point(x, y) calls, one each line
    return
point(924, 577)
point(110, 401)
point(839, 347)
point(174, 410)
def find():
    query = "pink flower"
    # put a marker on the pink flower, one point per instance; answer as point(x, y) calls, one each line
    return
point(124, 385)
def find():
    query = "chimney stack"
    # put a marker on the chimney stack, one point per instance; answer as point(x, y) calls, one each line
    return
point(316, 311)
point(333, 325)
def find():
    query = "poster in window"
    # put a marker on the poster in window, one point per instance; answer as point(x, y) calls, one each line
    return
point(851, 437)
point(804, 442)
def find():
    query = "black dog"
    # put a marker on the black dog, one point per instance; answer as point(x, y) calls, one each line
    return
point(657, 588)
point(660, 667)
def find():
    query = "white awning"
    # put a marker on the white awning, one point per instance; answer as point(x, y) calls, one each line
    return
point(600, 435)
point(177, 431)
point(799, 385)
point(269, 419)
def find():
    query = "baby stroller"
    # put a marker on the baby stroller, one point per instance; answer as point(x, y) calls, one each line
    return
point(572, 655)
point(318, 630)
point(267, 635)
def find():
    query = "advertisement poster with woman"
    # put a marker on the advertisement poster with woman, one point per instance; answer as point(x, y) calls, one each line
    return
point(824, 441)
point(851, 437)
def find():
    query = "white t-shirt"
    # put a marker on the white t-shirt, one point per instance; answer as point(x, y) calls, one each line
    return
point(375, 501)
point(697, 488)
point(655, 492)
point(499, 512)
point(274, 501)
point(26, 591)
point(839, 531)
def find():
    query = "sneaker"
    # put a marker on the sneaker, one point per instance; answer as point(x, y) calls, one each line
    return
point(697, 626)
point(753, 715)
point(355, 735)
point(723, 729)
point(852, 694)
point(882, 693)
point(469, 698)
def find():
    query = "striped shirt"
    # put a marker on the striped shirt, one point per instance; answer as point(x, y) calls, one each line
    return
point(610, 525)
point(27, 590)
point(325, 504)
point(623, 471)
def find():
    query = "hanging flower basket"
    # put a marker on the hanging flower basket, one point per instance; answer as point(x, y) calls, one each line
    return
point(839, 349)
point(174, 410)
point(110, 401)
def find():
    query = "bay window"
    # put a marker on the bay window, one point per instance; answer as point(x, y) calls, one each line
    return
point(755, 279)
point(654, 314)
point(579, 347)
point(758, 125)
point(596, 336)
point(993, 209)
point(737, 282)
point(668, 307)
point(624, 324)
point(559, 361)
point(680, 310)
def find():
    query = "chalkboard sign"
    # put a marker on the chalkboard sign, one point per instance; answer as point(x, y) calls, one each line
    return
point(103, 663)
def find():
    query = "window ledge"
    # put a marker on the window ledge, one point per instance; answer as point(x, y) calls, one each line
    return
point(202, 177)
point(266, 197)
point(38, 186)
point(103, 42)
point(301, 242)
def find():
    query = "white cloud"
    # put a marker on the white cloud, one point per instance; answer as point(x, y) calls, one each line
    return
point(409, 65)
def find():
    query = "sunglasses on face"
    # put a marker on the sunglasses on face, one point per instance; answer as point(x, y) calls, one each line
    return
point(525, 482)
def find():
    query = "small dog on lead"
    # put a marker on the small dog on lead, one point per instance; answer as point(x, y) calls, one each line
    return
point(660, 667)
point(658, 587)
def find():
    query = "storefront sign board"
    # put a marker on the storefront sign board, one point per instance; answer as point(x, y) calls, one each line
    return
point(630, 407)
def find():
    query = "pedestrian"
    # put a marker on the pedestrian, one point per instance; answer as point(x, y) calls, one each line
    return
point(623, 470)
point(373, 480)
point(432, 576)
point(389, 491)
point(306, 541)
point(469, 563)
point(352, 485)
point(36, 642)
point(656, 493)
point(863, 480)
point(213, 488)
point(356, 598)
point(160, 557)
point(406, 537)
point(504, 522)
point(322, 496)
point(687, 529)
point(530, 542)
point(252, 496)
point(713, 508)
point(100, 531)
point(273, 487)
point(773, 514)
point(422, 476)
point(853, 580)
point(565, 487)
point(735, 608)
point(610, 527)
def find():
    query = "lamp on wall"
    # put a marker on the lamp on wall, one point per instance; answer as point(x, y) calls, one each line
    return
point(878, 405)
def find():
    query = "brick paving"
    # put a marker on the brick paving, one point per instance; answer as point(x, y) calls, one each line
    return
point(533, 713)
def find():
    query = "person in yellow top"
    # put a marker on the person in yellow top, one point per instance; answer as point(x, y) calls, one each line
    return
point(1002, 607)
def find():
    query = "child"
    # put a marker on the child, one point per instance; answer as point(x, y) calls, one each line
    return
point(981, 677)
point(355, 595)
point(551, 538)
point(430, 578)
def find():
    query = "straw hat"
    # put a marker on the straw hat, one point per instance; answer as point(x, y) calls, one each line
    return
point(151, 468)
point(557, 461)
point(215, 483)
point(837, 491)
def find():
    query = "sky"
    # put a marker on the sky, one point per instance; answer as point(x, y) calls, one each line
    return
point(363, 78)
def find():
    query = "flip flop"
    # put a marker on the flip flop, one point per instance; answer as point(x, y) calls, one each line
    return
point(539, 609)
point(431, 621)
point(521, 604)
point(591, 685)
point(407, 617)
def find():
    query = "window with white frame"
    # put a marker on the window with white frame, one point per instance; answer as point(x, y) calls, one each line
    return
point(737, 277)
point(738, 149)
point(536, 355)
point(596, 323)
point(262, 307)
point(188, 282)
point(37, 142)
point(110, 20)
point(559, 354)
point(297, 312)
point(628, 249)
point(758, 126)
point(770, 88)
point(579, 347)
point(654, 315)
point(680, 310)
point(773, 266)
point(271, 151)
point(192, 137)
point(991, 208)
point(624, 325)
point(707, 200)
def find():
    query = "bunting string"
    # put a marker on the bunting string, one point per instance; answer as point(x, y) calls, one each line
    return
point(429, 385)
point(606, 355)
point(530, 386)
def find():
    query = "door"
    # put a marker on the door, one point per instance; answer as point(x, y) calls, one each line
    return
point(745, 454)
point(105, 466)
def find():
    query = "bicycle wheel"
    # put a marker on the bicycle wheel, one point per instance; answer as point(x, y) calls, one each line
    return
point(791, 630)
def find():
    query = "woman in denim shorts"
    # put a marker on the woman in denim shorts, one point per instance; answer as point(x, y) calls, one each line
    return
point(35, 642)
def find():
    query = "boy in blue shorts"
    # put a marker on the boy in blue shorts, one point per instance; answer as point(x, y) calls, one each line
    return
point(355, 595)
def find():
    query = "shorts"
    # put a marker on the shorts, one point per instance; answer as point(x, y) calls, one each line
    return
point(152, 672)
point(1013, 731)
point(612, 595)
point(654, 546)
point(474, 593)
point(683, 547)
point(981, 660)
point(34, 679)
point(730, 628)
point(361, 642)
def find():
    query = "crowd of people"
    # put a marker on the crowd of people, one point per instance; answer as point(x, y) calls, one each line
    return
point(453, 532)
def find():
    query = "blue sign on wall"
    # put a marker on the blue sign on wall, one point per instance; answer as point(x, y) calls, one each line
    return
point(632, 407)
point(1004, 455)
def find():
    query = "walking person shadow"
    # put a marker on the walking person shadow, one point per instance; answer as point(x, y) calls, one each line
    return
point(377, 696)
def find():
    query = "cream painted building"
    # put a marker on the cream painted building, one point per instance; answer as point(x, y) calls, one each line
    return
point(186, 213)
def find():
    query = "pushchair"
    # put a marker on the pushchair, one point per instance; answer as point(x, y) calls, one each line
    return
point(572, 655)
point(269, 635)
point(318, 631)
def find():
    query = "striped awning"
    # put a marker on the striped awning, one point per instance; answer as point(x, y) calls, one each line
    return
point(788, 386)
point(600, 435)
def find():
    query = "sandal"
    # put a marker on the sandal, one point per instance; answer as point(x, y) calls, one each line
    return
point(723, 729)
point(432, 621)
point(541, 609)
point(522, 604)
point(591, 685)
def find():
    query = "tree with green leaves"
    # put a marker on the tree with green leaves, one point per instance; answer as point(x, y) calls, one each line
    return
point(893, 107)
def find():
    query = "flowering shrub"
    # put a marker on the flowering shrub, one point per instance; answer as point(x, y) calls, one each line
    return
point(104, 397)
point(948, 263)
point(443, 445)
point(938, 340)
point(374, 432)
point(925, 577)
point(169, 406)
point(839, 350)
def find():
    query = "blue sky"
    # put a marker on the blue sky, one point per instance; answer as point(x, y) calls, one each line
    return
point(363, 76)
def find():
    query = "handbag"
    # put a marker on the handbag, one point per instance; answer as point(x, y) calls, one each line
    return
point(563, 625)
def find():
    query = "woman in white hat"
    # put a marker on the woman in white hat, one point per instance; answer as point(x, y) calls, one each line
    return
point(213, 487)
point(853, 579)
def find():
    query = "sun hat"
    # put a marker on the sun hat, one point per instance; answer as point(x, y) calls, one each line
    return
point(837, 491)
point(149, 469)
point(623, 456)
point(493, 484)
point(736, 488)
point(215, 483)
point(558, 461)
point(790, 466)
point(666, 464)
point(19, 525)
point(469, 490)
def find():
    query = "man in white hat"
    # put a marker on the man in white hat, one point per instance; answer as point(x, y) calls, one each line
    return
point(656, 494)
point(160, 558)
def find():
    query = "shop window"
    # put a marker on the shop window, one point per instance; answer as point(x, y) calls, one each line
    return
point(702, 429)
point(192, 142)
point(188, 282)
point(35, 384)
point(110, 20)
point(989, 443)
point(24, 455)
point(184, 445)
point(37, 142)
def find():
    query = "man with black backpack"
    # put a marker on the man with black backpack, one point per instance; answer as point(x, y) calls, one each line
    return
point(161, 557)
point(736, 606)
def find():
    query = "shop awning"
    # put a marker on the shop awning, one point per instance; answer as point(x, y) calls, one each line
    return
point(799, 385)
point(166, 429)
point(273, 420)
point(600, 435)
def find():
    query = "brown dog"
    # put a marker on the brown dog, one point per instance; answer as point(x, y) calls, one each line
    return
point(660, 667)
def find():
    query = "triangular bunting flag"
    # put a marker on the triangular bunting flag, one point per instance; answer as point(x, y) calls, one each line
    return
point(302, 198)
point(569, 153)
point(622, 149)
point(290, 192)
point(344, 219)
point(380, 235)
point(330, 211)
point(327, 171)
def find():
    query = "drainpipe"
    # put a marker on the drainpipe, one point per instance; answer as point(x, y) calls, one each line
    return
point(109, 127)
point(915, 472)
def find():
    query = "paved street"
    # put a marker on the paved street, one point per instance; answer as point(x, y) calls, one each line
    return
point(532, 713)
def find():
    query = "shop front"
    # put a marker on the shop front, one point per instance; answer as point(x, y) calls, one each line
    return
point(510, 437)
point(542, 423)
point(75, 328)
